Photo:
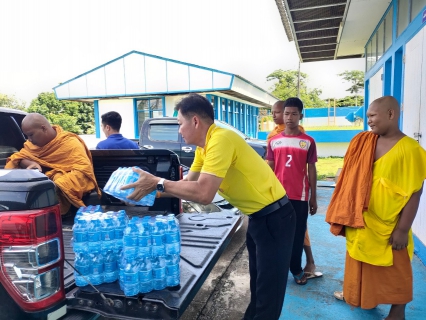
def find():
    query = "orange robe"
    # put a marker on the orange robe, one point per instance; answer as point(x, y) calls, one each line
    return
point(277, 130)
point(69, 164)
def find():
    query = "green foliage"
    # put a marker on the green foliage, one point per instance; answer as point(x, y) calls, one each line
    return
point(73, 116)
point(356, 78)
point(11, 102)
point(286, 86)
point(347, 101)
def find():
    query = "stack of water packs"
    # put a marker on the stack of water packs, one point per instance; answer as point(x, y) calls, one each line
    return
point(143, 253)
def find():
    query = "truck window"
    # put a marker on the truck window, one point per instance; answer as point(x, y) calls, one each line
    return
point(165, 132)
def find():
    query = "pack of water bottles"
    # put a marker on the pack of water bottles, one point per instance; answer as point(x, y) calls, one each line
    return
point(150, 256)
point(123, 176)
point(143, 253)
point(97, 244)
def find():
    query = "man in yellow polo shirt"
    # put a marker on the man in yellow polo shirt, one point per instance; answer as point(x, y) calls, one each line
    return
point(225, 163)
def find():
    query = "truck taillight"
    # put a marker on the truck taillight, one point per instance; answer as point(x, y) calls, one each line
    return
point(32, 257)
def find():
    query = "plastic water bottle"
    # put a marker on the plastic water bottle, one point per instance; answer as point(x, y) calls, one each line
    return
point(144, 238)
point(172, 235)
point(158, 227)
point(130, 237)
point(82, 264)
point(145, 275)
point(158, 273)
point(80, 236)
point(172, 270)
point(119, 220)
point(94, 234)
point(110, 267)
point(107, 232)
point(97, 268)
point(131, 278)
point(112, 179)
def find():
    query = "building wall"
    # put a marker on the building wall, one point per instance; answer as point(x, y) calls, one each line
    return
point(332, 149)
point(404, 68)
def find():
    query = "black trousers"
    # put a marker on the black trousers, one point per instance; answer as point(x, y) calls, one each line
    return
point(269, 245)
point(301, 208)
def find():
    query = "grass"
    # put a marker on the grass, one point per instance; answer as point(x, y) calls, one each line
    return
point(327, 167)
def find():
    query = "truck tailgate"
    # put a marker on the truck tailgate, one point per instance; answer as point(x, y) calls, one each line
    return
point(204, 238)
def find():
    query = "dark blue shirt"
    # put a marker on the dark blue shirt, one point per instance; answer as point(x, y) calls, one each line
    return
point(117, 141)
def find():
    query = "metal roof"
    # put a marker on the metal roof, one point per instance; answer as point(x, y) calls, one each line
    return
point(315, 26)
point(138, 74)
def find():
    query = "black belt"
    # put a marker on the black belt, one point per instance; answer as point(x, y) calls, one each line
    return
point(274, 206)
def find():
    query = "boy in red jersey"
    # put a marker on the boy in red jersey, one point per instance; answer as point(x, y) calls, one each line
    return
point(292, 155)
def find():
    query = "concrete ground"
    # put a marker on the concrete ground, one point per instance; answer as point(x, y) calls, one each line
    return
point(225, 293)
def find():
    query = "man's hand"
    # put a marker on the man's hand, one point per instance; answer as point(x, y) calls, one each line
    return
point(398, 239)
point(313, 206)
point(34, 165)
point(145, 184)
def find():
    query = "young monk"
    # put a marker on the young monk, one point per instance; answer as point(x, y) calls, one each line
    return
point(278, 117)
point(374, 205)
point(62, 156)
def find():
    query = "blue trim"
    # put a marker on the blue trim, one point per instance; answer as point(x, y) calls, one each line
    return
point(97, 121)
point(387, 75)
point(135, 118)
point(419, 249)
point(412, 29)
point(333, 135)
point(398, 80)
point(146, 55)
point(163, 100)
point(232, 111)
point(366, 102)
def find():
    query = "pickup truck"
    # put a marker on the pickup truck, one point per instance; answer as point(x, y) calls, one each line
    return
point(163, 133)
point(36, 257)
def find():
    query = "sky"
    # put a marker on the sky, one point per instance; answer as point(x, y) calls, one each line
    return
point(46, 42)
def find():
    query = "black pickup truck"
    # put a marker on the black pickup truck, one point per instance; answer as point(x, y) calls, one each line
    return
point(163, 133)
point(36, 257)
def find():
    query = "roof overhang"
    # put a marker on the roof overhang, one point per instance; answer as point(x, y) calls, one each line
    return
point(330, 29)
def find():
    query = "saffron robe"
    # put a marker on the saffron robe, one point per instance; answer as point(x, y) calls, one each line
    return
point(69, 166)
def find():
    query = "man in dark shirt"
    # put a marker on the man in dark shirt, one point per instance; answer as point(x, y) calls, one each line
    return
point(111, 124)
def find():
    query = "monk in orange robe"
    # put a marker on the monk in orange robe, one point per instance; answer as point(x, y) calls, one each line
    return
point(278, 117)
point(373, 206)
point(62, 156)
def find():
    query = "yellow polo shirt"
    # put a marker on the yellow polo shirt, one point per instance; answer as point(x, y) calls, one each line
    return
point(248, 182)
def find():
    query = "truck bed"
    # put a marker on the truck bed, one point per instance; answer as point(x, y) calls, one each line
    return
point(204, 238)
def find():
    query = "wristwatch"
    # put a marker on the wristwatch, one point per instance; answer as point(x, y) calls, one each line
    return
point(160, 185)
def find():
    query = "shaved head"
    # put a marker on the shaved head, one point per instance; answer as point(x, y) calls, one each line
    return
point(383, 115)
point(278, 112)
point(38, 129)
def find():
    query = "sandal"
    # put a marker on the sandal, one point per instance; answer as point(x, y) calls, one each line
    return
point(301, 279)
point(339, 295)
point(313, 275)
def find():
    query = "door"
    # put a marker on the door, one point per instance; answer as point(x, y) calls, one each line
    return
point(414, 110)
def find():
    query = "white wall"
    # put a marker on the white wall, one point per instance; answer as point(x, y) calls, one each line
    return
point(376, 86)
point(125, 108)
point(335, 149)
point(414, 109)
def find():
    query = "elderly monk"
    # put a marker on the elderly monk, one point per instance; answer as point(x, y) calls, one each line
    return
point(374, 205)
point(60, 155)
point(278, 117)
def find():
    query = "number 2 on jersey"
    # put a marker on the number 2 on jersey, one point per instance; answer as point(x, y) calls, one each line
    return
point(287, 164)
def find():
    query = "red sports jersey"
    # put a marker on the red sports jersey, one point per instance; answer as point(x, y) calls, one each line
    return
point(291, 155)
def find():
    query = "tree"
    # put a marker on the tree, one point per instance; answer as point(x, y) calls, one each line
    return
point(347, 101)
point(11, 102)
point(73, 116)
point(286, 86)
point(356, 78)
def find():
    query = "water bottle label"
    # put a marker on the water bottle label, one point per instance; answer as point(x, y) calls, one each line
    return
point(145, 275)
point(110, 266)
point(107, 235)
point(83, 269)
point(80, 236)
point(172, 269)
point(97, 268)
point(144, 241)
point(130, 241)
point(172, 237)
point(159, 273)
point(157, 240)
point(94, 236)
point(130, 277)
